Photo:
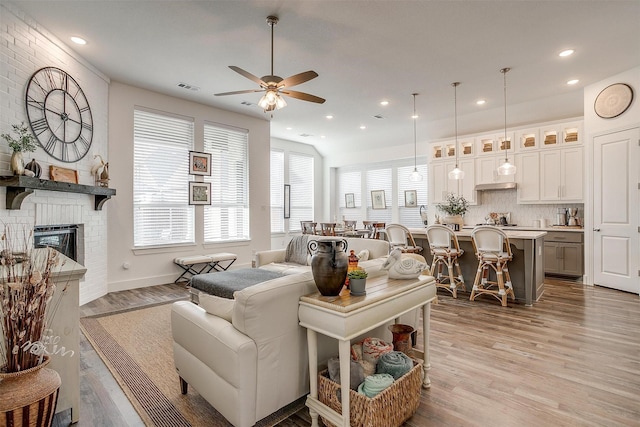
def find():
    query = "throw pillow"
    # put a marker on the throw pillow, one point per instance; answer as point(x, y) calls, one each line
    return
point(363, 255)
point(218, 306)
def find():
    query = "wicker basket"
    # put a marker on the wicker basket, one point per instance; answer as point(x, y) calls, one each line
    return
point(390, 408)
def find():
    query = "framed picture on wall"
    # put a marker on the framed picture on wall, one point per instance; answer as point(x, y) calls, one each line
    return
point(199, 163)
point(350, 200)
point(378, 200)
point(199, 193)
point(287, 201)
point(410, 199)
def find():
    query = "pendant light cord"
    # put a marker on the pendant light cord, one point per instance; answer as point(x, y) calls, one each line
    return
point(504, 72)
point(415, 138)
point(455, 115)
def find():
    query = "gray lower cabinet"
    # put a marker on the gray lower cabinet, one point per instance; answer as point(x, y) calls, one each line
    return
point(563, 253)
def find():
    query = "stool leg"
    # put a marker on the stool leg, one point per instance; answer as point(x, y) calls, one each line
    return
point(452, 282)
point(508, 283)
point(460, 277)
point(476, 281)
point(501, 292)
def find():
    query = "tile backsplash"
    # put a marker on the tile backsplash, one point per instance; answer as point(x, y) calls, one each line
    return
point(523, 215)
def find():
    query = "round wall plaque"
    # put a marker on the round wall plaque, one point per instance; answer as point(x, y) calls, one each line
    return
point(613, 100)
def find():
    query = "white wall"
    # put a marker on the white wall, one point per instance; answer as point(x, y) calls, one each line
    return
point(25, 47)
point(146, 267)
point(280, 240)
point(594, 125)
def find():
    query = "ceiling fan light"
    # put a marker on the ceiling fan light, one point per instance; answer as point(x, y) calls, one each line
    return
point(415, 176)
point(280, 102)
point(506, 168)
point(456, 173)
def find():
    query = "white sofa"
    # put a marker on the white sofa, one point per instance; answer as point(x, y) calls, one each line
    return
point(276, 259)
point(248, 356)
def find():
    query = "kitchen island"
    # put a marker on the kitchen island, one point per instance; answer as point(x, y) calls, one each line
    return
point(526, 268)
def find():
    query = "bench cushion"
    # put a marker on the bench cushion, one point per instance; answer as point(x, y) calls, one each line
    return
point(225, 283)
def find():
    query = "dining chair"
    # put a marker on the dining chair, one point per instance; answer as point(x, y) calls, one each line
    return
point(400, 237)
point(493, 251)
point(328, 228)
point(350, 225)
point(445, 249)
point(308, 227)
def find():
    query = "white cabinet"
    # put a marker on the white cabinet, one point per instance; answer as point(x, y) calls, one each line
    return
point(561, 175)
point(487, 170)
point(440, 184)
point(528, 177)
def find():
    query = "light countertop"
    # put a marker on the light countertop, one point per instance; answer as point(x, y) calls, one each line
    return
point(511, 232)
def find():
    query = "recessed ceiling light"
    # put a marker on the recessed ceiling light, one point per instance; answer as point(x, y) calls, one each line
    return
point(363, 127)
point(481, 102)
point(567, 52)
point(289, 128)
point(572, 82)
point(385, 103)
point(78, 40)
point(322, 136)
point(329, 116)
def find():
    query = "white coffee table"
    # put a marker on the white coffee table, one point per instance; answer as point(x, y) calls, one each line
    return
point(344, 317)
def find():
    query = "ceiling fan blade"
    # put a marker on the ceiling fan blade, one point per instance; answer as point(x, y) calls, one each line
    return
point(303, 96)
point(237, 92)
point(298, 78)
point(248, 75)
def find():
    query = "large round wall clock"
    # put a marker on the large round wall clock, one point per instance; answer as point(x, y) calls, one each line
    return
point(59, 114)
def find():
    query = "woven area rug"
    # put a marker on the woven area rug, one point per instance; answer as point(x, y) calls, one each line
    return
point(136, 346)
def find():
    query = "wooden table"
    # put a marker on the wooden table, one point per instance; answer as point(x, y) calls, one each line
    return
point(345, 317)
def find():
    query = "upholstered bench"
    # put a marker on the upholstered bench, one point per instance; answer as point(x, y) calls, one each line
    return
point(198, 264)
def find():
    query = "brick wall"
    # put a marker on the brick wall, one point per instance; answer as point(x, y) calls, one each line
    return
point(25, 47)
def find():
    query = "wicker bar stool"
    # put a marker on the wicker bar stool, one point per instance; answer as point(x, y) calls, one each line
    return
point(445, 249)
point(493, 251)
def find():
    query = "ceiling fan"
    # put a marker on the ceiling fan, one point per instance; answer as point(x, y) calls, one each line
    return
point(275, 86)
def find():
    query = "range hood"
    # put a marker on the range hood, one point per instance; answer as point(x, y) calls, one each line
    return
point(496, 186)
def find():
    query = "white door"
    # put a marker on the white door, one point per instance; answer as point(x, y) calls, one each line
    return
point(616, 213)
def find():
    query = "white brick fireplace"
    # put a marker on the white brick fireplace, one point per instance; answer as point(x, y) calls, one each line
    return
point(25, 47)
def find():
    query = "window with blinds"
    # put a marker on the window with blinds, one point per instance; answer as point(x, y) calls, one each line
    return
point(379, 179)
point(277, 191)
point(350, 182)
point(161, 214)
point(410, 216)
point(227, 218)
point(301, 180)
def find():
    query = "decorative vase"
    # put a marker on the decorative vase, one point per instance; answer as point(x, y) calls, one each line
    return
point(329, 263)
point(453, 219)
point(34, 167)
point(401, 337)
point(29, 397)
point(17, 163)
point(357, 287)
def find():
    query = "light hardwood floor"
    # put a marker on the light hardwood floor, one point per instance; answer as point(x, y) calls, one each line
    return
point(573, 359)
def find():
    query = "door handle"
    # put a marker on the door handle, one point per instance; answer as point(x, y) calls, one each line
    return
point(596, 229)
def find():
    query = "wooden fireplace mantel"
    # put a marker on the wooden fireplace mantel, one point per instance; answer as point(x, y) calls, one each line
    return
point(20, 186)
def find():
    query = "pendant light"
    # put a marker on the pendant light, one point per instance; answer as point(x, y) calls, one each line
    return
point(415, 175)
point(506, 168)
point(456, 173)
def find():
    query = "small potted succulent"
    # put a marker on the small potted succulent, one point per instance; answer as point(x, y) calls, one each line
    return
point(357, 282)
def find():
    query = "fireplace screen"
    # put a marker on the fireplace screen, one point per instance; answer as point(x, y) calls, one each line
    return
point(63, 238)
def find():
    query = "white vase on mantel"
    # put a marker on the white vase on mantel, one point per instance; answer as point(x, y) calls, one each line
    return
point(17, 163)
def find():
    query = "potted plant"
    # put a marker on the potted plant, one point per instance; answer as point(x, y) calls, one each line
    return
point(26, 294)
point(454, 207)
point(25, 142)
point(357, 282)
